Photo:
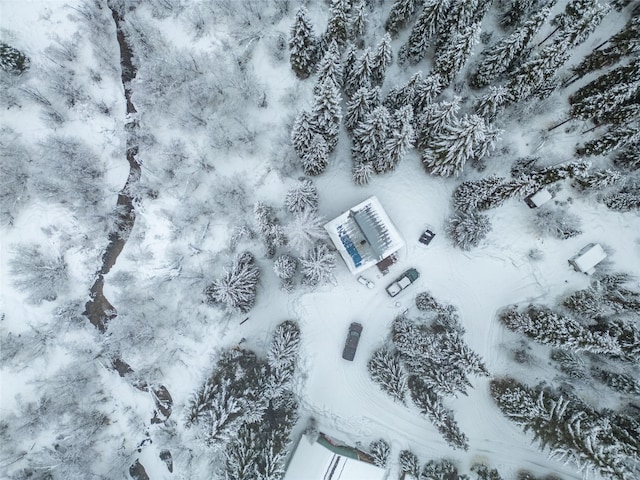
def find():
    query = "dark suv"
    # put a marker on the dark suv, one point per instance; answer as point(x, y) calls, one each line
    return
point(351, 345)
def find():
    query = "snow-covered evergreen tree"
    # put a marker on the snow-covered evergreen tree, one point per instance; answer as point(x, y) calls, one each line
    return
point(426, 91)
point(409, 463)
point(241, 454)
point(598, 180)
point(358, 21)
point(318, 266)
point(361, 172)
point(440, 470)
point(360, 75)
point(326, 113)
point(269, 228)
point(302, 45)
point(338, 24)
point(450, 59)
point(285, 268)
point(399, 97)
point(304, 230)
point(627, 199)
point(399, 16)
point(13, 60)
point(469, 138)
point(516, 11)
point(493, 102)
point(302, 133)
point(468, 229)
point(399, 140)
point(616, 137)
point(381, 60)
point(329, 68)
point(283, 351)
point(349, 65)
point(380, 451)
point(237, 288)
point(303, 196)
point(500, 57)
point(363, 101)
point(386, 370)
point(430, 21)
point(434, 119)
point(316, 158)
point(370, 137)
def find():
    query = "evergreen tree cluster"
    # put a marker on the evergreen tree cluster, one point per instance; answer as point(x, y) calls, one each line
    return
point(236, 290)
point(12, 60)
point(426, 361)
point(246, 410)
point(570, 430)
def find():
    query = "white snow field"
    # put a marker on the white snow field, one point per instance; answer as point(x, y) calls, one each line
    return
point(169, 336)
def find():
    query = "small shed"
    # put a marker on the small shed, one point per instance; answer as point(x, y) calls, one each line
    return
point(365, 236)
point(538, 198)
point(318, 459)
point(587, 258)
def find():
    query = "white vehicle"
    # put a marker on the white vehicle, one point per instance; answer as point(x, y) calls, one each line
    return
point(402, 282)
point(365, 282)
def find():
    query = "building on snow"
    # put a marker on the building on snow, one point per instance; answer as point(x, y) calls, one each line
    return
point(365, 236)
point(538, 198)
point(323, 458)
point(587, 258)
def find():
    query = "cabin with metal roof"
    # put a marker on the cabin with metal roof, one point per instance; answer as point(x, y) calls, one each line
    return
point(365, 236)
point(587, 258)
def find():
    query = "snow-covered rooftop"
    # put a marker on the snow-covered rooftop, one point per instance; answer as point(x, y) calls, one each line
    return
point(588, 258)
point(539, 198)
point(364, 235)
point(313, 461)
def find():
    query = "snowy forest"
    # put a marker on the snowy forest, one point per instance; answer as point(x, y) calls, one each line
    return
point(172, 306)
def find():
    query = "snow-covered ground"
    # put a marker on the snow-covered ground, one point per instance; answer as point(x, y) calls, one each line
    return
point(172, 336)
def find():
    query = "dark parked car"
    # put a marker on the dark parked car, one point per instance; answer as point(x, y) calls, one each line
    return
point(403, 281)
point(351, 345)
point(427, 236)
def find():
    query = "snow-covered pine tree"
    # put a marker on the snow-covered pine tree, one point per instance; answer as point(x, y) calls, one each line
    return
point(361, 172)
point(241, 454)
point(627, 199)
point(302, 133)
point(386, 370)
point(381, 60)
point(409, 463)
point(606, 93)
point(425, 92)
point(619, 382)
point(370, 136)
point(358, 21)
point(329, 68)
point(399, 140)
point(302, 45)
point(302, 196)
point(598, 180)
point(268, 227)
point(317, 267)
point(285, 268)
point(327, 113)
point(467, 229)
point(577, 31)
point(364, 100)
point(434, 119)
point(380, 451)
point(450, 59)
point(13, 60)
point(400, 15)
point(499, 58)
point(469, 138)
point(624, 43)
point(616, 137)
point(316, 158)
point(629, 158)
point(398, 97)
point(338, 24)
point(440, 470)
point(493, 102)
point(349, 65)
point(304, 230)
point(237, 288)
point(360, 75)
point(430, 21)
point(516, 11)
point(285, 344)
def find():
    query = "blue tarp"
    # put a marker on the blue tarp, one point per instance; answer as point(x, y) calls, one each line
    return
point(349, 246)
